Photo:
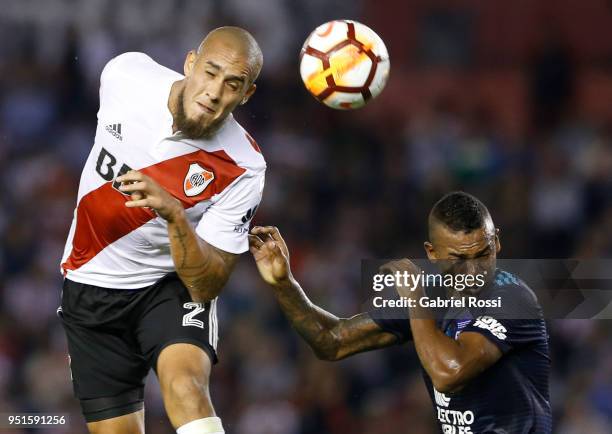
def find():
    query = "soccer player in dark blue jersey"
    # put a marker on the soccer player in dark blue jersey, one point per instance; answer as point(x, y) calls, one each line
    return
point(486, 367)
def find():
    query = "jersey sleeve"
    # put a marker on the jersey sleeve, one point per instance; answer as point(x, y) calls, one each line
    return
point(225, 224)
point(118, 80)
point(394, 321)
point(517, 322)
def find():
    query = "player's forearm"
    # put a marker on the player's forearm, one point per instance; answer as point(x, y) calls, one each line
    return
point(201, 272)
point(314, 324)
point(440, 356)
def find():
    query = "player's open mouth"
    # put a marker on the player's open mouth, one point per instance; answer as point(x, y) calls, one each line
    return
point(205, 108)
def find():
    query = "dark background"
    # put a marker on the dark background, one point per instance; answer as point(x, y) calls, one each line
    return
point(510, 101)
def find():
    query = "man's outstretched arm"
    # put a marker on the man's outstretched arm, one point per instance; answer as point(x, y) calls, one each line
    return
point(202, 268)
point(330, 337)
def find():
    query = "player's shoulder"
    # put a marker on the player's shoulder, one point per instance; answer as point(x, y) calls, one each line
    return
point(132, 71)
point(514, 292)
point(134, 85)
point(241, 146)
point(506, 281)
point(125, 64)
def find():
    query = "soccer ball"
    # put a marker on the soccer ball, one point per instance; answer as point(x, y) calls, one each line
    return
point(344, 64)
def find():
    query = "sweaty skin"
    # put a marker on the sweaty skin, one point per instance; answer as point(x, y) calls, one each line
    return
point(450, 363)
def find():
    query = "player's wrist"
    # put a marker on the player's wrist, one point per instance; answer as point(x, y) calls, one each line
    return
point(176, 213)
point(286, 283)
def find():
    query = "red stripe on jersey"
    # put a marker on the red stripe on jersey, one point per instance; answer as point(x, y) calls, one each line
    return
point(103, 218)
point(253, 142)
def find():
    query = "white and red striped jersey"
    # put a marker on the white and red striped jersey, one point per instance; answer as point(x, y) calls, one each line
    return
point(219, 180)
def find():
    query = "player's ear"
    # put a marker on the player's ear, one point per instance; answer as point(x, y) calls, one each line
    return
point(248, 93)
point(497, 243)
point(429, 249)
point(190, 61)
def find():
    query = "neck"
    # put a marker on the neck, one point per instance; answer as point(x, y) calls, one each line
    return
point(173, 100)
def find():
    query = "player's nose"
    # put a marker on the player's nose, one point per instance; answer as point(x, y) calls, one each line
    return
point(213, 92)
point(213, 97)
point(470, 267)
point(464, 266)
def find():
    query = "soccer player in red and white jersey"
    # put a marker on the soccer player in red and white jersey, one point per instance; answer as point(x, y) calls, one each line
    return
point(164, 205)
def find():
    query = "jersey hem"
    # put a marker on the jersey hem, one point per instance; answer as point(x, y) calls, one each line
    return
point(114, 285)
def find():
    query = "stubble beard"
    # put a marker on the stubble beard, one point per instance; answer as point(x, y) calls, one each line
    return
point(192, 128)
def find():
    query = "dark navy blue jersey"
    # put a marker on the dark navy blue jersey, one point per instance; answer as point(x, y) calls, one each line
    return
point(512, 395)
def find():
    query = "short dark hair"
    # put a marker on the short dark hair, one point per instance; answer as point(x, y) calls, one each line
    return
point(459, 211)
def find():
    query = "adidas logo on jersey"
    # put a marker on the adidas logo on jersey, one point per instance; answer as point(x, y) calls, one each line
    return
point(115, 130)
point(249, 214)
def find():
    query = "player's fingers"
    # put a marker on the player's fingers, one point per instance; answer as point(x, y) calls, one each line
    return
point(272, 233)
point(276, 235)
point(136, 186)
point(262, 230)
point(271, 245)
point(400, 265)
point(137, 203)
point(136, 196)
point(131, 176)
point(407, 264)
point(255, 241)
point(275, 248)
point(387, 268)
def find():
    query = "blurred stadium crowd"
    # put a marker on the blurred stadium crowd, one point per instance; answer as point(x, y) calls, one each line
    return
point(509, 102)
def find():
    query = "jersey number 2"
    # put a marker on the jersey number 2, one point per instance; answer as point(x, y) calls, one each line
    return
point(188, 318)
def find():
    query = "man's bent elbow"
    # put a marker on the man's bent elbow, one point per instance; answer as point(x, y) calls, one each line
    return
point(326, 347)
point(204, 290)
point(448, 382)
point(328, 356)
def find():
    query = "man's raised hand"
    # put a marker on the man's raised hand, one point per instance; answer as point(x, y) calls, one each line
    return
point(401, 266)
point(145, 192)
point(271, 255)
